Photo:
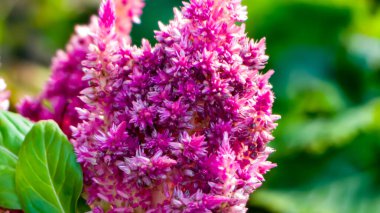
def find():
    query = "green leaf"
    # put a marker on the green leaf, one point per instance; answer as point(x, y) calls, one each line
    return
point(48, 178)
point(13, 129)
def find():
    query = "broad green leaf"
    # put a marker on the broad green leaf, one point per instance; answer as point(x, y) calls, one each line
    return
point(48, 178)
point(13, 129)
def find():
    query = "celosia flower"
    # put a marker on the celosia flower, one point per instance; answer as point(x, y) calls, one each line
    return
point(4, 95)
point(181, 126)
point(60, 96)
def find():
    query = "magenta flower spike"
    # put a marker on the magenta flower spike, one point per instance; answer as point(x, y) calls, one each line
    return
point(60, 96)
point(181, 126)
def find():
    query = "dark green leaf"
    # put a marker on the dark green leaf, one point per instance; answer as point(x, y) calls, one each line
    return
point(13, 129)
point(48, 178)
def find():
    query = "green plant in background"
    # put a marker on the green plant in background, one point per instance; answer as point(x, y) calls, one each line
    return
point(328, 93)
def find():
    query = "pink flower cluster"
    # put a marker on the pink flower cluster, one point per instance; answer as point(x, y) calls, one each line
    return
point(180, 126)
point(60, 96)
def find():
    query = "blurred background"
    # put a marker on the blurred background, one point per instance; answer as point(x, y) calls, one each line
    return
point(326, 54)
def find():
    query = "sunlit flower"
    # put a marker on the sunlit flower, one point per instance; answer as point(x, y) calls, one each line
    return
point(4, 95)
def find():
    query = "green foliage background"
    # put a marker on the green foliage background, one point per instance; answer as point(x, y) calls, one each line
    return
point(326, 54)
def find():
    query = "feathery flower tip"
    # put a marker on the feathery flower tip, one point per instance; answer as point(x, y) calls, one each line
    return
point(107, 13)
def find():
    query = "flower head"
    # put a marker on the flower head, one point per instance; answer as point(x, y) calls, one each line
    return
point(181, 126)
